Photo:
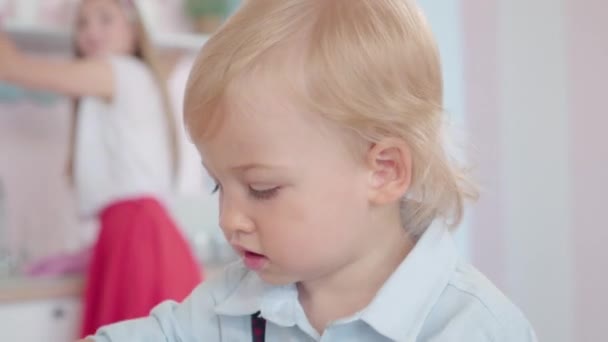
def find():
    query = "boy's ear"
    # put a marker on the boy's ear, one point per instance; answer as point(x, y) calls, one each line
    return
point(390, 165)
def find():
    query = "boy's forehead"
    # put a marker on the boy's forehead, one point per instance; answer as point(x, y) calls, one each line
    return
point(260, 124)
point(260, 100)
point(256, 116)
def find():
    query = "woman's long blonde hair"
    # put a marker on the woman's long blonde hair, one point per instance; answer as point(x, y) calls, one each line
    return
point(145, 51)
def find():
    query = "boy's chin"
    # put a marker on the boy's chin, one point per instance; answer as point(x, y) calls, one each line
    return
point(276, 279)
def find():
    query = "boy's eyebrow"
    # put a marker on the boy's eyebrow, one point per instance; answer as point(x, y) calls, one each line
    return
point(249, 166)
point(242, 168)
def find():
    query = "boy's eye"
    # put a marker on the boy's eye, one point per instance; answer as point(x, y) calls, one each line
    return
point(264, 193)
point(215, 189)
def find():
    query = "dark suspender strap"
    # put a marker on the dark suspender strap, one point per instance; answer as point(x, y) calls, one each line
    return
point(258, 328)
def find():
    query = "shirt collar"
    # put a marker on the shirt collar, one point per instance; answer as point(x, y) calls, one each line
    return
point(278, 304)
point(407, 297)
point(399, 308)
point(245, 298)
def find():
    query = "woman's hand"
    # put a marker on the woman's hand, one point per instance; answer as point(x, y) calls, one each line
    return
point(9, 56)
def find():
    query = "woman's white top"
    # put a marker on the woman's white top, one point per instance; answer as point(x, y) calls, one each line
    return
point(122, 146)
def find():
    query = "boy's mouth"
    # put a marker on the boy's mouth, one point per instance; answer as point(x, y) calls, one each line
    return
point(254, 261)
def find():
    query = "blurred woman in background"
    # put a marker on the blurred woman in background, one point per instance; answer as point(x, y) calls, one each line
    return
point(125, 157)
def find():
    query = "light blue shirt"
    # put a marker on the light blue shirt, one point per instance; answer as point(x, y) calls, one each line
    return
point(432, 296)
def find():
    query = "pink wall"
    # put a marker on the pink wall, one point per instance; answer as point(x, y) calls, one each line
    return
point(41, 213)
point(535, 75)
point(482, 105)
point(588, 76)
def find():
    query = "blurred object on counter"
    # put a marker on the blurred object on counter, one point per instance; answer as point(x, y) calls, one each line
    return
point(10, 94)
point(60, 265)
point(207, 15)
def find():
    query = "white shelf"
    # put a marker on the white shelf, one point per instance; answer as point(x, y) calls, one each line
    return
point(38, 38)
point(49, 39)
point(184, 41)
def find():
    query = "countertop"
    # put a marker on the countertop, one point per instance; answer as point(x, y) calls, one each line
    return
point(20, 289)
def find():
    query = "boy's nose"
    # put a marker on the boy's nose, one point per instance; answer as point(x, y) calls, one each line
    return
point(234, 220)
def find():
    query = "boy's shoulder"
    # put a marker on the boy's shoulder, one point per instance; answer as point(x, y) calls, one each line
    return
point(471, 284)
point(472, 307)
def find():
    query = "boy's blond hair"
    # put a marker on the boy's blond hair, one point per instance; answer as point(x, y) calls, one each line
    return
point(369, 66)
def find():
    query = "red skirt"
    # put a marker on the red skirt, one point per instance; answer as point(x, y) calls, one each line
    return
point(140, 259)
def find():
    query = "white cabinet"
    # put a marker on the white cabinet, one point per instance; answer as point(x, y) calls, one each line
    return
point(52, 320)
